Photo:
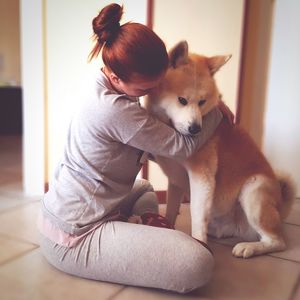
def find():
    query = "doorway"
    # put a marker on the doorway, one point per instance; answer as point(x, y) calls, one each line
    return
point(10, 99)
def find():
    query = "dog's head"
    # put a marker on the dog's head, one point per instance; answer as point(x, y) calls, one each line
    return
point(188, 91)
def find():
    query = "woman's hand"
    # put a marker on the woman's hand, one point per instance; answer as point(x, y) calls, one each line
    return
point(227, 113)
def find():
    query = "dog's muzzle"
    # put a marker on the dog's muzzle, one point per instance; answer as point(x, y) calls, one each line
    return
point(194, 128)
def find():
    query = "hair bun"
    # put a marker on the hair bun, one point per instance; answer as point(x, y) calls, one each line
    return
point(107, 24)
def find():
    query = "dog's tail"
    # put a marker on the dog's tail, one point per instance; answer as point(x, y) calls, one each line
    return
point(288, 194)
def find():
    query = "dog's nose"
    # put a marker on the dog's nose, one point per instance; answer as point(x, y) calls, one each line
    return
point(194, 128)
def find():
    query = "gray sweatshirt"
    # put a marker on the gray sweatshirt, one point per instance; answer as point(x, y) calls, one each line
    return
point(106, 140)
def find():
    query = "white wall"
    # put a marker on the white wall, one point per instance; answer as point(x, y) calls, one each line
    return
point(282, 121)
point(32, 67)
point(211, 27)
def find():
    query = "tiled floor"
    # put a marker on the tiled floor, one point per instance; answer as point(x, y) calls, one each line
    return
point(24, 273)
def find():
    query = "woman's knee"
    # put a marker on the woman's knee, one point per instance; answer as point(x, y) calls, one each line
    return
point(144, 184)
point(195, 267)
point(200, 271)
point(148, 202)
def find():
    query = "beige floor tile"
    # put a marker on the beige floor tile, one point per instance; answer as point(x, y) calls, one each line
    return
point(292, 237)
point(291, 234)
point(136, 293)
point(10, 248)
point(9, 202)
point(30, 277)
point(260, 278)
point(20, 223)
point(296, 295)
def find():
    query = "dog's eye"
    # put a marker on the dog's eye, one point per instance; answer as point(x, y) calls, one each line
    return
point(201, 102)
point(182, 101)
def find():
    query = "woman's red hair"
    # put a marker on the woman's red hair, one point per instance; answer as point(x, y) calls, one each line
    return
point(129, 50)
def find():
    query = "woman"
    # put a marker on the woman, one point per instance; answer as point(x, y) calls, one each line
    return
point(83, 225)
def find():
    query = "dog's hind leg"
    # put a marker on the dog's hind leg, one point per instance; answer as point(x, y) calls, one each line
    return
point(259, 199)
point(174, 197)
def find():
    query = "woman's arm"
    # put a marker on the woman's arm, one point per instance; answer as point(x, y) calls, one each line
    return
point(158, 138)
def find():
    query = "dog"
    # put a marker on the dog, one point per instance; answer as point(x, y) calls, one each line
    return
point(232, 188)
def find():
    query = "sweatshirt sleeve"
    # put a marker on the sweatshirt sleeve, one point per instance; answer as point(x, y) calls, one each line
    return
point(131, 124)
point(158, 138)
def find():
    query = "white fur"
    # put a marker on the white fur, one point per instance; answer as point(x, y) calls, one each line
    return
point(182, 116)
point(202, 192)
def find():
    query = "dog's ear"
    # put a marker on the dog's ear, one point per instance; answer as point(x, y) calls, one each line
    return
point(216, 62)
point(178, 55)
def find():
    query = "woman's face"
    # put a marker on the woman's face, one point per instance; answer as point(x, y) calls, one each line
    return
point(137, 86)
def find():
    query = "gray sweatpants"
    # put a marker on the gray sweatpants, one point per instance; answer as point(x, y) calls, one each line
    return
point(134, 254)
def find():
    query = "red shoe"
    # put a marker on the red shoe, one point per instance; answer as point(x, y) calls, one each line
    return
point(156, 220)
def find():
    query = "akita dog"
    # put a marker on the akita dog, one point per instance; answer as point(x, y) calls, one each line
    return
point(232, 188)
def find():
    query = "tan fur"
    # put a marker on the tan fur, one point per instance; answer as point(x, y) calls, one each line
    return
point(247, 199)
point(238, 158)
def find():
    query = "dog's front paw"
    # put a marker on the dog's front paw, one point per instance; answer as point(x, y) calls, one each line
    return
point(244, 250)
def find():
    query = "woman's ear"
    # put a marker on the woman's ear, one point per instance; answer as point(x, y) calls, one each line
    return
point(114, 78)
